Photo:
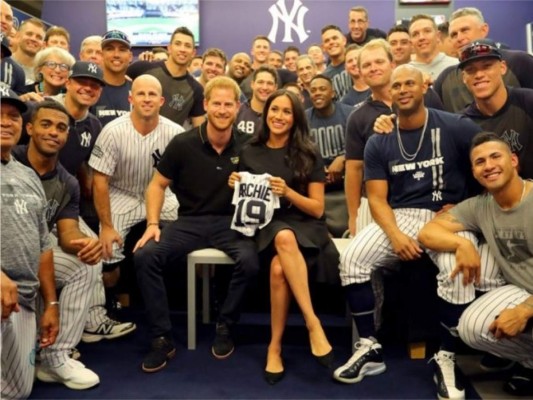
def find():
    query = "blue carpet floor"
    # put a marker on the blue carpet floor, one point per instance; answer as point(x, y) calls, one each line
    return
point(197, 375)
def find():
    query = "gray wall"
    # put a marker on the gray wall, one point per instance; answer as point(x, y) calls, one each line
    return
point(231, 24)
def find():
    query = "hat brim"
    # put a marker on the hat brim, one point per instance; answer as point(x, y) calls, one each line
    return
point(105, 41)
point(19, 104)
point(461, 65)
point(100, 81)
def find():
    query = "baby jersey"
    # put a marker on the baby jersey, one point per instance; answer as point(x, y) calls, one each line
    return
point(254, 203)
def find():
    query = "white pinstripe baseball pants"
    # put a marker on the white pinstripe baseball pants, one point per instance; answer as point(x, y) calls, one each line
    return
point(474, 325)
point(19, 334)
point(77, 281)
point(372, 249)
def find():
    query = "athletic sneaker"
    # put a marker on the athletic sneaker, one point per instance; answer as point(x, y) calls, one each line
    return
point(109, 329)
point(491, 363)
point(72, 373)
point(521, 382)
point(367, 360)
point(447, 377)
point(162, 349)
point(223, 345)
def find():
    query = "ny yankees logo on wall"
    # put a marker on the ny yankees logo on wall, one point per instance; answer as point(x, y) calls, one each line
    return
point(293, 20)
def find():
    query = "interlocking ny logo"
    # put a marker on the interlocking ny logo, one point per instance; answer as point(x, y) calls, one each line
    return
point(293, 20)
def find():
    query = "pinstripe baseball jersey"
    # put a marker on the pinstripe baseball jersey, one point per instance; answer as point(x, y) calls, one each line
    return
point(254, 203)
point(425, 168)
point(130, 159)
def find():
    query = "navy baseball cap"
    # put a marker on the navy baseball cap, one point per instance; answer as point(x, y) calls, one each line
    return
point(85, 69)
point(116, 36)
point(9, 96)
point(478, 49)
point(6, 51)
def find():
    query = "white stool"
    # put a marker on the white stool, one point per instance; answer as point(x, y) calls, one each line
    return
point(205, 258)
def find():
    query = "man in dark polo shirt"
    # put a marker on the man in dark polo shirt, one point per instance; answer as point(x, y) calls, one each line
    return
point(196, 166)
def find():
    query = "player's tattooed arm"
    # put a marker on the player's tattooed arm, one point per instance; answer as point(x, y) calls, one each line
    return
point(439, 234)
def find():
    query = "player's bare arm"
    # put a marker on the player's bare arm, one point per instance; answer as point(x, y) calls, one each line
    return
point(335, 170)
point(512, 321)
point(49, 323)
point(108, 234)
point(439, 235)
point(404, 246)
point(155, 196)
point(353, 183)
point(9, 296)
point(73, 241)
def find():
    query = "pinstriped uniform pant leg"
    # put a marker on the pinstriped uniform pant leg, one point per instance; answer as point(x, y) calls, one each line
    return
point(371, 247)
point(97, 312)
point(364, 217)
point(453, 291)
point(19, 334)
point(77, 281)
point(474, 325)
point(123, 223)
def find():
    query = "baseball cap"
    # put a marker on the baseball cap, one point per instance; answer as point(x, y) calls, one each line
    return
point(9, 96)
point(116, 36)
point(478, 49)
point(85, 69)
point(6, 51)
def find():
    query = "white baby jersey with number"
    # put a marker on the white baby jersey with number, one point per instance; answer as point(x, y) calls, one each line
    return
point(254, 203)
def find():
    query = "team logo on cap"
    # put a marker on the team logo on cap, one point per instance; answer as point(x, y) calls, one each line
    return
point(92, 68)
point(4, 91)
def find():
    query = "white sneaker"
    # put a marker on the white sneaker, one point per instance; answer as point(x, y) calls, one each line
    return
point(447, 377)
point(367, 360)
point(109, 329)
point(71, 373)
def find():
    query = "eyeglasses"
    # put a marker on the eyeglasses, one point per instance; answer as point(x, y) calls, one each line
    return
point(54, 65)
point(478, 50)
point(117, 35)
point(358, 21)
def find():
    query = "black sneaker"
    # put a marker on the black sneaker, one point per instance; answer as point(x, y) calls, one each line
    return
point(162, 350)
point(521, 383)
point(367, 360)
point(491, 363)
point(223, 345)
point(447, 377)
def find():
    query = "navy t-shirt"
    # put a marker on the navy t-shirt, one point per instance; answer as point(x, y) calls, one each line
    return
point(438, 171)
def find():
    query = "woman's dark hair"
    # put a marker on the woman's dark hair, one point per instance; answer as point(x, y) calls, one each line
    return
point(301, 153)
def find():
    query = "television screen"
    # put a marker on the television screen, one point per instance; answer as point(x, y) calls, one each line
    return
point(151, 22)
